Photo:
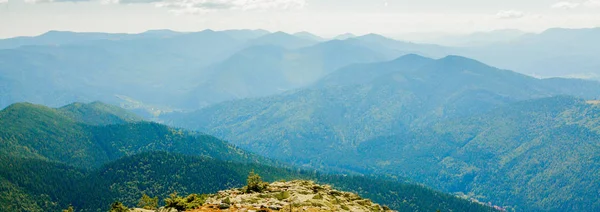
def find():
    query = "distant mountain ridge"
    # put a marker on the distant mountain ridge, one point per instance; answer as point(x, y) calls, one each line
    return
point(388, 108)
point(169, 70)
point(267, 70)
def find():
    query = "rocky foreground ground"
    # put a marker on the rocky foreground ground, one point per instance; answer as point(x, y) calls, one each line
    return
point(287, 196)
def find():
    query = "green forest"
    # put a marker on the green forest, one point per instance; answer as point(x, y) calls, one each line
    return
point(54, 169)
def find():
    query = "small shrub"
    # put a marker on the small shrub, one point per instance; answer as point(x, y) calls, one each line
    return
point(226, 201)
point(118, 207)
point(175, 201)
point(318, 196)
point(282, 195)
point(345, 207)
point(192, 201)
point(255, 183)
point(69, 209)
point(148, 203)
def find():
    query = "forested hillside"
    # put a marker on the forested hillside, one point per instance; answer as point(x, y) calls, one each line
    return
point(454, 124)
point(39, 185)
point(52, 159)
point(35, 131)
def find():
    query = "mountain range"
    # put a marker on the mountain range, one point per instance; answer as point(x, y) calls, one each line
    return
point(161, 71)
point(437, 121)
point(416, 127)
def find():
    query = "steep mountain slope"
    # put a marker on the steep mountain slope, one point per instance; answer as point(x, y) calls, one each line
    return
point(267, 70)
point(53, 186)
point(34, 131)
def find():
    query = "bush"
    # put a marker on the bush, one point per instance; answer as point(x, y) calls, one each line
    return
point(118, 207)
point(146, 202)
point(175, 201)
point(193, 201)
point(255, 183)
point(69, 209)
point(282, 195)
point(226, 201)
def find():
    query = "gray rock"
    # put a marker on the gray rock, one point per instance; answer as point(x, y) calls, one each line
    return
point(163, 209)
point(275, 207)
point(224, 206)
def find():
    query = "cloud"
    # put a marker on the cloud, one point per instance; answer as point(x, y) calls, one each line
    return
point(203, 6)
point(510, 14)
point(577, 4)
point(592, 3)
point(3, 1)
point(51, 1)
point(565, 5)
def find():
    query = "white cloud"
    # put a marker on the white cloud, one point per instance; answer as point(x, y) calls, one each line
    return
point(592, 3)
point(51, 1)
point(566, 5)
point(203, 6)
point(510, 14)
point(3, 1)
point(577, 4)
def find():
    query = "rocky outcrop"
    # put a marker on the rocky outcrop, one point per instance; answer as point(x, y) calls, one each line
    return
point(293, 196)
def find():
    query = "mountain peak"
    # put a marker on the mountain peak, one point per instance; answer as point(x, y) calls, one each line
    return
point(55, 32)
point(460, 60)
point(21, 105)
point(160, 32)
point(98, 113)
point(344, 36)
point(308, 35)
point(208, 31)
point(280, 33)
point(373, 36)
point(412, 57)
point(298, 195)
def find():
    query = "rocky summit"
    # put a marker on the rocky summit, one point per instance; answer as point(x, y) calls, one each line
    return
point(299, 195)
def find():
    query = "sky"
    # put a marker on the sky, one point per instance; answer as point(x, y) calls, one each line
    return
point(322, 17)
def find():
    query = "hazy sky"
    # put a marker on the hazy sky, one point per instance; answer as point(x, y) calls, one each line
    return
point(323, 17)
